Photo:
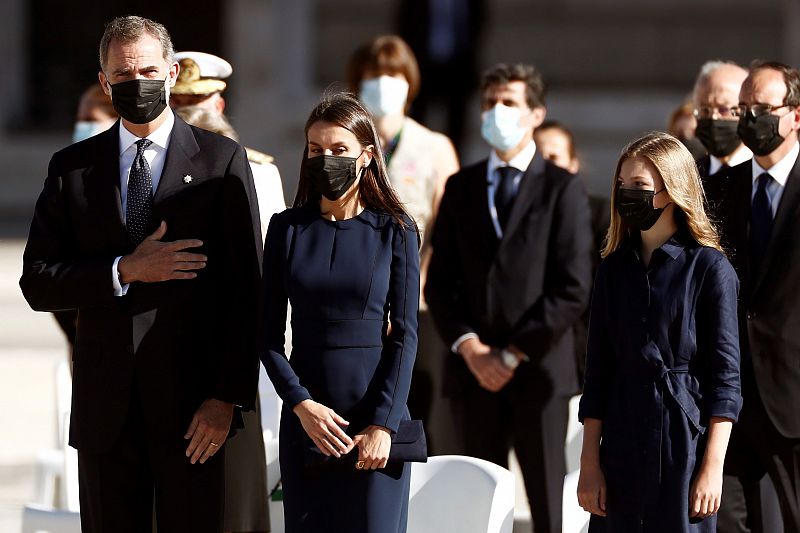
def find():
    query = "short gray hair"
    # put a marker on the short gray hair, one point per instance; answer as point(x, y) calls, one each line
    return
point(707, 69)
point(132, 28)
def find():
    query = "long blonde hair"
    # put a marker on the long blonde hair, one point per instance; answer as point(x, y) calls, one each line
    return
point(681, 181)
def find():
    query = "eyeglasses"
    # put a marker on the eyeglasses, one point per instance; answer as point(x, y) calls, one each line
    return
point(756, 110)
point(710, 112)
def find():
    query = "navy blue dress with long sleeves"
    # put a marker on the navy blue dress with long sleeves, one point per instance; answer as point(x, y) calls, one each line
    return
point(662, 358)
point(345, 280)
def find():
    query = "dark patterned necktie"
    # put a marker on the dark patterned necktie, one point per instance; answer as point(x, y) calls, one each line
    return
point(504, 194)
point(140, 194)
point(760, 222)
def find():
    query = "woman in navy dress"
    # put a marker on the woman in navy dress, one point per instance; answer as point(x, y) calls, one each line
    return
point(347, 258)
point(662, 385)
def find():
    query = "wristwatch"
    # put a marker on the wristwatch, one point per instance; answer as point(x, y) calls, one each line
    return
point(509, 359)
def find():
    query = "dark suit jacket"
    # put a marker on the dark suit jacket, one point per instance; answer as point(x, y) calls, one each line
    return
point(717, 188)
point(177, 343)
point(770, 297)
point(527, 289)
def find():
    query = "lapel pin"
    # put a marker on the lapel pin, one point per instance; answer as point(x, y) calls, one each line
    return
point(187, 178)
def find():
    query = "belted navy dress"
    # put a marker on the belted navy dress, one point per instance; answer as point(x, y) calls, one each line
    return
point(662, 358)
point(345, 280)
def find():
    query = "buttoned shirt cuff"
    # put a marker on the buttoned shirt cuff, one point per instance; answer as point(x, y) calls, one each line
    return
point(119, 288)
point(459, 341)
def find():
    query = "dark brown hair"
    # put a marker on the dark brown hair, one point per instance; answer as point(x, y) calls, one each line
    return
point(387, 54)
point(558, 126)
point(791, 78)
point(345, 111)
point(502, 74)
point(132, 28)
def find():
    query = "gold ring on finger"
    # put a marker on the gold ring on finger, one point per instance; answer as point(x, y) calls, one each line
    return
point(214, 444)
point(360, 465)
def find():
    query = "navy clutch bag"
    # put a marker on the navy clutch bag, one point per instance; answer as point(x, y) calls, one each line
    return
point(409, 444)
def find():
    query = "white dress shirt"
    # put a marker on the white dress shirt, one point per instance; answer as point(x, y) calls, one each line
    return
point(739, 156)
point(155, 154)
point(780, 175)
point(521, 162)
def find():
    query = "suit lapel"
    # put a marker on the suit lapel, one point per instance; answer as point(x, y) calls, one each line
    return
point(102, 186)
point(529, 189)
point(182, 147)
point(790, 201)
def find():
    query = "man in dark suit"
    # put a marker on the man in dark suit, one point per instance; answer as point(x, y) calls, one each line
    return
point(761, 229)
point(715, 97)
point(150, 231)
point(508, 278)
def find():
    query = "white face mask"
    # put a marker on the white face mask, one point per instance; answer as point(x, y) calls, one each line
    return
point(500, 127)
point(384, 95)
point(86, 128)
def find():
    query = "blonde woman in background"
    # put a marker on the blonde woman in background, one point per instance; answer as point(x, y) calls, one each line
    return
point(662, 382)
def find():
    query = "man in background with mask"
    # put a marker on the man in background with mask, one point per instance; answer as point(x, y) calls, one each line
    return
point(95, 114)
point(759, 221)
point(508, 279)
point(150, 230)
point(715, 97)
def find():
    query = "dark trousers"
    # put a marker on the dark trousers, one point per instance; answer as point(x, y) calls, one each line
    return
point(757, 448)
point(491, 423)
point(119, 487)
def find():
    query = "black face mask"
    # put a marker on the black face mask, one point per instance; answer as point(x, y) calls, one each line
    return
point(635, 206)
point(139, 101)
point(331, 175)
point(760, 133)
point(718, 136)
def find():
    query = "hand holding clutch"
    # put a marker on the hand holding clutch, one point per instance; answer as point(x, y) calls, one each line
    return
point(374, 444)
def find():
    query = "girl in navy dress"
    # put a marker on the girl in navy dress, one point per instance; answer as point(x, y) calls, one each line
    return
point(347, 258)
point(662, 385)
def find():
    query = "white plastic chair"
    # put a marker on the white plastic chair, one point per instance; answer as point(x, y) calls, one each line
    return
point(50, 462)
point(454, 493)
point(574, 518)
point(574, 441)
point(37, 518)
point(69, 477)
point(273, 477)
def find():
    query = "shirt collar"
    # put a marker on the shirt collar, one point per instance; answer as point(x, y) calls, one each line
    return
point(780, 170)
point(740, 155)
point(673, 247)
point(521, 161)
point(159, 137)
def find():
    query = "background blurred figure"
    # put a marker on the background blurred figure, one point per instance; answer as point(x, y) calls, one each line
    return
point(557, 144)
point(508, 279)
point(681, 124)
point(760, 225)
point(95, 114)
point(384, 73)
point(445, 36)
point(716, 95)
point(197, 99)
point(199, 85)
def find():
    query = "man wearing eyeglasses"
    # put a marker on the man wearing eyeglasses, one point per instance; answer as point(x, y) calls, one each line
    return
point(762, 231)
point(716, 97)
